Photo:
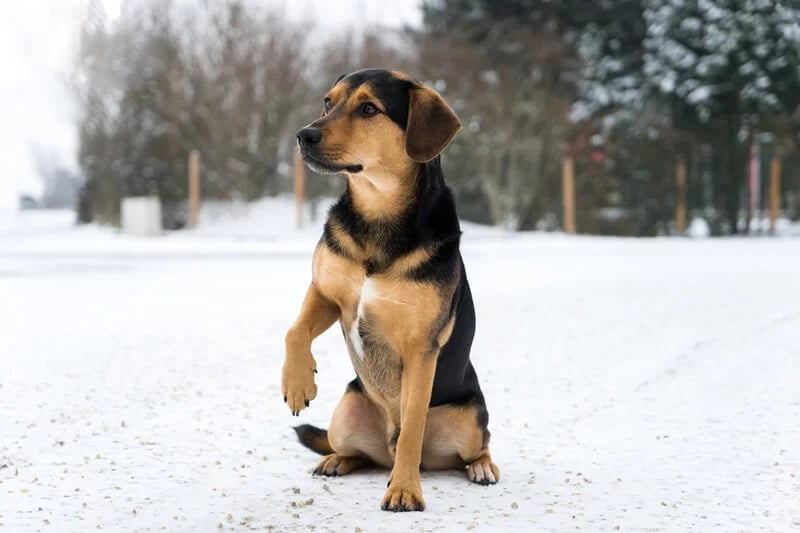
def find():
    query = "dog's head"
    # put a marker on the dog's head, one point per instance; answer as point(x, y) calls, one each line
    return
point(377, 123)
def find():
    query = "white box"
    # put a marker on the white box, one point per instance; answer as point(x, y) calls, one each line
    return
point(141, 216)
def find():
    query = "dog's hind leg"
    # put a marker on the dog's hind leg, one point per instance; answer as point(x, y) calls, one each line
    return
point(456, 438)
point(357, 435)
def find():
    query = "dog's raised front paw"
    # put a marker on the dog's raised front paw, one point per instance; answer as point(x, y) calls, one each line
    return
point(297, 383)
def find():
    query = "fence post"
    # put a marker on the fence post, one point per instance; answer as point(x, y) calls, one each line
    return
point(194, 188)
point(774, 193)
point(680, 193)
point(299, 186)
point(568, 192)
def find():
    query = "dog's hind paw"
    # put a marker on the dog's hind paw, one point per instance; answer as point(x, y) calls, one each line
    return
point(338, 465)
point(483, 471)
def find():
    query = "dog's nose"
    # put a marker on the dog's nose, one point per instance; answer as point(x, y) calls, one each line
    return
point(307, 137)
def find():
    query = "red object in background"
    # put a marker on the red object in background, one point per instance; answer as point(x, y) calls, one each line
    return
point(755, 179)
point(598, 156)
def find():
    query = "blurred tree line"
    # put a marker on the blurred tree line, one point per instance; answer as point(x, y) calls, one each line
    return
point(626, 87)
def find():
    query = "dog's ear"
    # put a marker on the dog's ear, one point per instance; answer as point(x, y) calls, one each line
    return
point(431, 124)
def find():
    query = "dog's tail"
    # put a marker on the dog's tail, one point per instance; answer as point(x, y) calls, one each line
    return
point(314, 438)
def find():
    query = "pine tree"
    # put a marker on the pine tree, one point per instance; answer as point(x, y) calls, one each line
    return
point(719, 70)
point(728, 68)
point(612, 50)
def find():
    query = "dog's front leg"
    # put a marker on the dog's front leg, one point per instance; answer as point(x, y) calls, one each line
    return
point(405, 490)
point(299, 366)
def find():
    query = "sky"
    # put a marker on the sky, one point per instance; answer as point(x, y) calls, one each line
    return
point(38, 46)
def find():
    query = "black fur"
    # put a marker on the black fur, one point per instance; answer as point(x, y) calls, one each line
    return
point(355, 386)
point(455, 380)
point(314, 438)
point(431, 220)
point(392, 92)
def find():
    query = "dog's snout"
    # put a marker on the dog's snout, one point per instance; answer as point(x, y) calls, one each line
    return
point(308, 137)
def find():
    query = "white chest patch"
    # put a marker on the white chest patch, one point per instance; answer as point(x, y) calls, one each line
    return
point(367, 293)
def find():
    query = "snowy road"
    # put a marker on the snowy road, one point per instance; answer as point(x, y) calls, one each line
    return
point(633, 385)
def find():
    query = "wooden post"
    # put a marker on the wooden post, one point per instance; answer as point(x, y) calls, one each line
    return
point(194, 187)
point(568, 191)
point(680, 193)
point(774, 192)
point(299, 186)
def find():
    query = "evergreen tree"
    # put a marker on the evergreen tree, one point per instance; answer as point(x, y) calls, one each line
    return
point(727, 68)
point(717, 70)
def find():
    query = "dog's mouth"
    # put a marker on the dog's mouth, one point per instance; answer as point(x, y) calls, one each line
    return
point(318, 164)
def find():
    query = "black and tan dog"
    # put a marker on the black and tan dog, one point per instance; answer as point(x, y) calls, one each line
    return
point(388, 268)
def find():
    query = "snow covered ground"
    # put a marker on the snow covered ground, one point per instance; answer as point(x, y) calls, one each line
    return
point(633, 385)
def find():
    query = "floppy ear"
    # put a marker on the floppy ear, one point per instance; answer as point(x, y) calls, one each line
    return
point(431, 124)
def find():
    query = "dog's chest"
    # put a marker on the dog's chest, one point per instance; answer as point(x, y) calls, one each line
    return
point(381, 316)
point(367, 296)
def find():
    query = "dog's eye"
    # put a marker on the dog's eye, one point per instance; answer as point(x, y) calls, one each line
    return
point(368, 109)
point(328, 104)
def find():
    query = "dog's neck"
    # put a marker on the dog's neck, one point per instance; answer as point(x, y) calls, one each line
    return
point(384, 195)
point(425, 216)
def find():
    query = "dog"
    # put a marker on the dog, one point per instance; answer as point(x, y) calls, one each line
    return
point(389, 269)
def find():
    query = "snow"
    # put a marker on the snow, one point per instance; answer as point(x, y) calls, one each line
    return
point(698, 228)
point(647, 384)
point(699, 95)
point(690, 49)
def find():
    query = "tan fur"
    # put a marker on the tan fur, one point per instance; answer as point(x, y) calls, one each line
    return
point(452, 437)
point(347, 243)
point(405, 488)
point(431, 125)
point(339, 465)
point(404, 314)
point(339, 280)
point(297, 382)
point(483, 470)
point(400, 75)
point(383, 188)
point(447, 330)
point(360, 426)
point(410, 261)
point(358, 253)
